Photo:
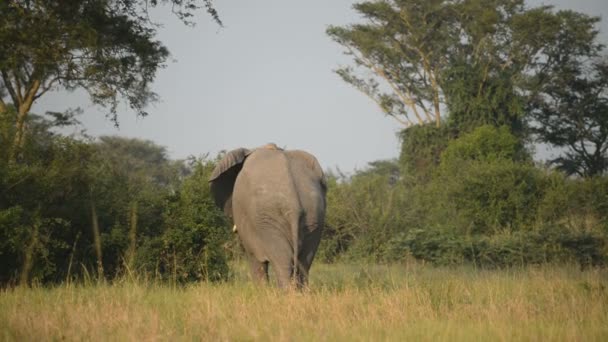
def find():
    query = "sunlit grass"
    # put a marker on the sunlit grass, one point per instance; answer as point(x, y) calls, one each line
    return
point(345, 302)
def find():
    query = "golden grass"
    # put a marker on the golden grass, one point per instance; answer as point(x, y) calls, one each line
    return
point(345, 303)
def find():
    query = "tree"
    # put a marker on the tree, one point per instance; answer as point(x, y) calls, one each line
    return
point(571, 112)
point(403, 45)
point(106, 47)
point(480, 60)
point(41, 204)
point(131, 180)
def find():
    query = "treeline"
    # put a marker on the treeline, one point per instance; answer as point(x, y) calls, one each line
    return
point(479, 199)
point(76, 207)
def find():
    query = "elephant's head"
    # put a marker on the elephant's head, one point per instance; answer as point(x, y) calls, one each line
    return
point(224, 175)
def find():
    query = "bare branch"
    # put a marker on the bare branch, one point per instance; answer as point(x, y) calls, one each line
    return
point(426, 112)
point(406, 100)
point(18, 87)
point(9, 87)
point(45, 87)
point(434, 84)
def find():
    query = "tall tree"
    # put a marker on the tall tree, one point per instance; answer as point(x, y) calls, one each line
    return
point(106, 47)
point(403, 44)
point(476, 59)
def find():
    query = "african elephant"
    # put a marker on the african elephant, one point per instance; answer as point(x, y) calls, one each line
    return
point(276, 199)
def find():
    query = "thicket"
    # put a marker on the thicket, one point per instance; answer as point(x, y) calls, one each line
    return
point(478, 199)
point(111, 207)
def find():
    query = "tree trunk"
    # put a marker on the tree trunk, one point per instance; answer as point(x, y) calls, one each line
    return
point(28, 261)
point(19, 134)
point(24, 107)
point(96, 238)
point(132, 235)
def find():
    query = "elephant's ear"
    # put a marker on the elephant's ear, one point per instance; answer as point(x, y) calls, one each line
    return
point(310, 162)
point(223, 177)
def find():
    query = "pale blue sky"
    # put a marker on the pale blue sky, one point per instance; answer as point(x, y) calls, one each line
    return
point(266, 77)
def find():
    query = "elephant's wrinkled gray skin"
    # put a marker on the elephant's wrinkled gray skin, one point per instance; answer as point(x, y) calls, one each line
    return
point(276, 198)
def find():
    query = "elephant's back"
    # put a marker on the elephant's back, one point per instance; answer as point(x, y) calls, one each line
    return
point(280, 179)
point(266, 178)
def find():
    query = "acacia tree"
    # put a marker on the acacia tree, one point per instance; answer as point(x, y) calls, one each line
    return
point(403, 44)
point(475, 59)
point(106, 47)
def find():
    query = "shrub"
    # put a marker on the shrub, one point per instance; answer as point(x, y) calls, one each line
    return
point(421, 147)
point(196, 231)
point(363, 213)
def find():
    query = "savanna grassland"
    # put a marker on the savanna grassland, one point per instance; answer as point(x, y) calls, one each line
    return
point(471, 220)
point(345, 302)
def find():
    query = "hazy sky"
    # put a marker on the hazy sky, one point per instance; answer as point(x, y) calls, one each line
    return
point(266, 77)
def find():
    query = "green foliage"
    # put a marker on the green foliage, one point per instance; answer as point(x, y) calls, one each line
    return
point(485, 143)
point(488, 196)
point(468, 190)
point(474, 199)
point(489, 205)
point(363, 213)
point(107, 48)
point(61, 188)
point(37, 197)
point(196, 230)
point(104, 47)
point(404, 43)
point(507, 249)
point(484, 181)
point(421, 148)
point(494, 62)
point(572, 113)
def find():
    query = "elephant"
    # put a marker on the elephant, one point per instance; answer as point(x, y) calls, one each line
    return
point(277, 201)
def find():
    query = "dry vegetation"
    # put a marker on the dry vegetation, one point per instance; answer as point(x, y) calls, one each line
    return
point(345, 303)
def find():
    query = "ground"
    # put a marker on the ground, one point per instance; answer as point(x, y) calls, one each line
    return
point(345, 303)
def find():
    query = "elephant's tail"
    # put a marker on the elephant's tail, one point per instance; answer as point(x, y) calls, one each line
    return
point(295, 230)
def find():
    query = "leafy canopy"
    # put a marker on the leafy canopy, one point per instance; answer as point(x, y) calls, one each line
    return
point(478, 60)
point(106, 47)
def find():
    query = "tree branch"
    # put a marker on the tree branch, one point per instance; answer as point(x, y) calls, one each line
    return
point(401, 121)
point(426, 112)
point(46, 87)
point(18, 88)
point(434, 84)
point(9, 87)
point(3, 108)
point(408, 101)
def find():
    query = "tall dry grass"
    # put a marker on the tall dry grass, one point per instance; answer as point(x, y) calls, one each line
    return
point(345, 302)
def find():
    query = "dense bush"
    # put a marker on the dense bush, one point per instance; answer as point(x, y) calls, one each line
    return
point(195, 230)
point(421, 149)
point(72, 207)
point(556, 244)
point(481, 201)
point(363, 214)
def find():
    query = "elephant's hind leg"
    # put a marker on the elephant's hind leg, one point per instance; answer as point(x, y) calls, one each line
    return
point(284, 271)
point(310, 243)
point(259, 270)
